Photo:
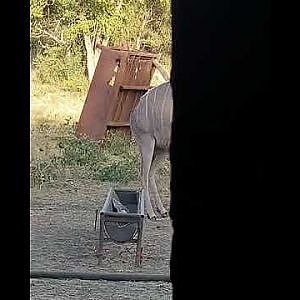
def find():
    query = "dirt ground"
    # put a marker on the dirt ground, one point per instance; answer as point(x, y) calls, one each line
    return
point(63, 239)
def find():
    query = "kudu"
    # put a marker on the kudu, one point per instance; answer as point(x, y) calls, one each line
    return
point(150, 124)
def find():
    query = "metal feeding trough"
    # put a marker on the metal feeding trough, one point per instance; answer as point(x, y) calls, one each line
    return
point(122, 220)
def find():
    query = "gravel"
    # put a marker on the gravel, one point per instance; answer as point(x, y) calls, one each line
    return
point(63, 239)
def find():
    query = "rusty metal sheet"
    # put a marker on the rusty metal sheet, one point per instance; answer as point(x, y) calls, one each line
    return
point(134, 85)
point(120, 79)
point(93, 119)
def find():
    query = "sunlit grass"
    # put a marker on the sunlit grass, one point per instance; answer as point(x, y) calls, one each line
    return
point(56, 153)
point(50, 104)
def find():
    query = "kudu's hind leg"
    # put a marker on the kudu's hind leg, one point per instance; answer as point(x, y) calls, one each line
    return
point(157, 158)
point(146, 144)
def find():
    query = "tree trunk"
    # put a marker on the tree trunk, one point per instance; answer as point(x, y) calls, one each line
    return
point(106, 39)
point(97, 51)
point(92, 51)
point(91, 64)
point(138, 40)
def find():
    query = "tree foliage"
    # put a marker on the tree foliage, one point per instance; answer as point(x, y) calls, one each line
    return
point(58, 27)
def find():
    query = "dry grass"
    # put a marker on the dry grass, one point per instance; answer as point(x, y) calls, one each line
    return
point(56, 154)
point(55, 106)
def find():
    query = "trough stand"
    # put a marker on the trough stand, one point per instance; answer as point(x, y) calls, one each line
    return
point(122, 227)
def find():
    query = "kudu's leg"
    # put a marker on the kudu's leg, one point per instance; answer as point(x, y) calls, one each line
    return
point(146, 144)
point(158, 157)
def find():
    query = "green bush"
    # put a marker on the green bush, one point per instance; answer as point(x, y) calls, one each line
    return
point(115, 160)
point(61, 68)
